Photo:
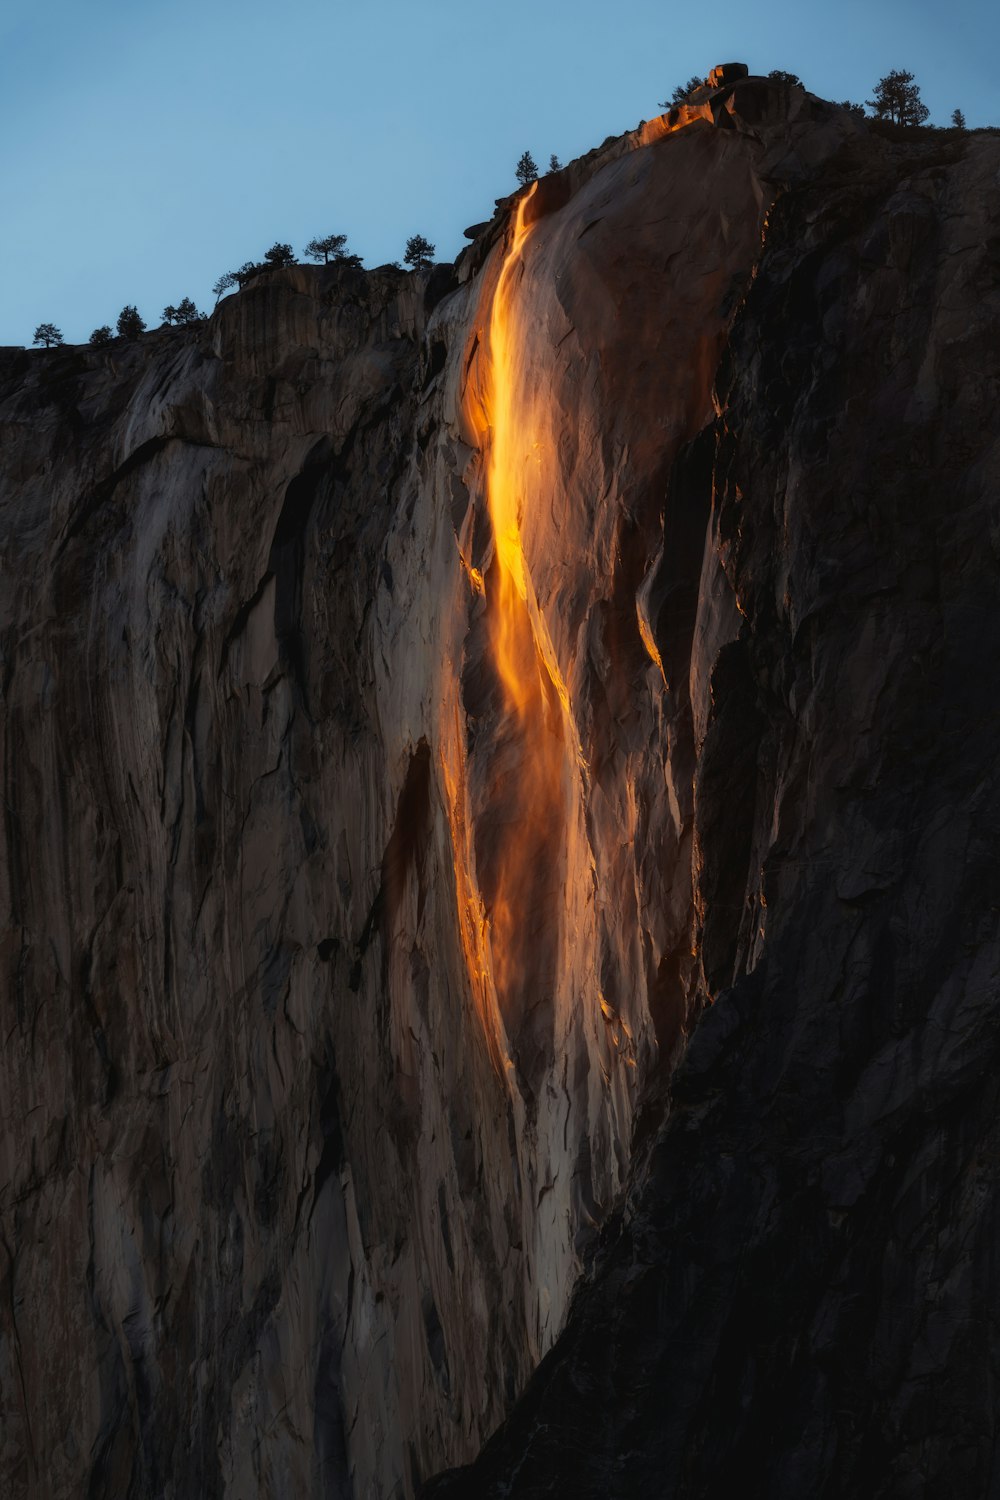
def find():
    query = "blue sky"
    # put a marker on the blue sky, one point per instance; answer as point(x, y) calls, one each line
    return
point(146, 146)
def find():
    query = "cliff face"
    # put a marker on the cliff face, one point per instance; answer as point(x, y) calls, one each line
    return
point(796, 1297)
point(421, 698)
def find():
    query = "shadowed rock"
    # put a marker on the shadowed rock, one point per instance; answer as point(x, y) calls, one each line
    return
point(304, 1212)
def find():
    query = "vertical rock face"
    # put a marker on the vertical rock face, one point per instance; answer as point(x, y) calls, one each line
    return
point(369, 839)
point(323, 1038)
point(796, 1297)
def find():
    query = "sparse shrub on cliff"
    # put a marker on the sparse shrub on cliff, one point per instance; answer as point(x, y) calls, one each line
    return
point(419, 252)
point(130, 324)
point(326, 247)
point(897, 99)
point(279, 255)
point(47, 334)
point(248, 269)
point(780, 76)
point(681, 93)
point(184, 312)
point(855, 109)
point(527, 169)
point(555, 165)
point(102, 335)
point(958, 120)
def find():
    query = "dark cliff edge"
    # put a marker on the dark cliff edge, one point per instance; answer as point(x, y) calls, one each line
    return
point(272, 1219)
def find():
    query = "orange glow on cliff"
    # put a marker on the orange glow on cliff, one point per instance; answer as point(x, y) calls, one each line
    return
point(511, 443)
point(524, 868)
point(511, 854)
point(527, 867)
point(472, 925)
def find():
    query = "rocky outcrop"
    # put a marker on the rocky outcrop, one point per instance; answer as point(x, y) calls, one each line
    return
point(336, 962)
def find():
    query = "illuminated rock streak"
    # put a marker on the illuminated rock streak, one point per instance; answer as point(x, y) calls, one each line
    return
point(524, 876)
point(512, 446)
point(525, 885)
point(510, 841)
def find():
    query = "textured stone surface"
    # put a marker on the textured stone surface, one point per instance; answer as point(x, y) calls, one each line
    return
point(306, 1202)
point(293, 1195)
point(797, 1297)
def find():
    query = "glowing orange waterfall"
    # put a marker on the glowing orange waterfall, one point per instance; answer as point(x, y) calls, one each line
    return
point(524, 867)
point(521, 865)
point(512, 445)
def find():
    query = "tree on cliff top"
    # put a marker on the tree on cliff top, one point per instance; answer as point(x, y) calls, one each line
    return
point(326, 247)
point(419, 252)
point(958, 119)
point(130, 324)
point(897, 99)
point(102, 335)
point(279, 255)
point(681, 92)
point(248, 269)
point(555, 165)
point(527, 169)
point(780, 76)
point(47, 334)
point(184, 312)
point(225, 283)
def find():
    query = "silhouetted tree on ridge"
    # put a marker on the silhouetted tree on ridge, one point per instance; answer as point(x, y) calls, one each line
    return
point(102, 335)
point(279, 255)
point(225, 283)
point(681, 92)
point(184, 312)
point(555, 165)
point(49, 335)
point(527, 169)
point(778, 75)
point(326, 247)
point(419, 252)
point(130, 324)
point(897, 99)
point(958, 119)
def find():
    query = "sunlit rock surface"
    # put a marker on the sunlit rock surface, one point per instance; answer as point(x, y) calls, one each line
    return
point(797, 1296)
point(326, 1025)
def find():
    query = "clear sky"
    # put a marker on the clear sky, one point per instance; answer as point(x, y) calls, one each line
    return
point(146, 146)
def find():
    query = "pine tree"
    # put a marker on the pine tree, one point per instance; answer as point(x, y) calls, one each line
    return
point(186, 312)
point(958, 119)
point(326, 247)
point(527, 169)
point(897, 99)
point(225, 283)
point(780, 76)
point(419, 252)
point(48, 334)
point(102, 335)
point(130, 324)
point(555, 165)
point(279, 255)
